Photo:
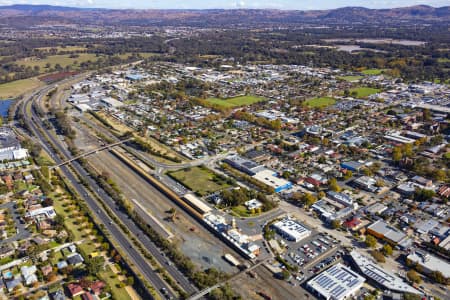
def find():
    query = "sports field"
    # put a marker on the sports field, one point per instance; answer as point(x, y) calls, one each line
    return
point(373, 71)
point(320, 102)
point(16, 88)
point(350, 78)
point(200, 180)
point(362, 92)
point(235, 101)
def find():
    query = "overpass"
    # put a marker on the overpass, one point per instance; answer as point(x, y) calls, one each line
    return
point(89, 153)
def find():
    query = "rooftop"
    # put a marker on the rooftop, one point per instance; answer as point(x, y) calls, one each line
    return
point(430, 262)
point(387, 231)
point(338, 282)
point(379, 274)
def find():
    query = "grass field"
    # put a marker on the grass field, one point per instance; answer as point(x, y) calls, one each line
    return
point(373, 71)
point(112, 280)
point(320, 102)
point(199, 180)
point(350, 78)
point(236, 101)
point(443, 60)
point(16, 88)
point(62, 60)
point(363, 92)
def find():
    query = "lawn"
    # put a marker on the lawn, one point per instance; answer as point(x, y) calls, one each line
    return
point(235, 101)
point(16, 88)
point(350, 78)
point(373, 71)
point(111, 280)
point(242, 211)
point(363, 92)
point(320, 102)
point(199, 180)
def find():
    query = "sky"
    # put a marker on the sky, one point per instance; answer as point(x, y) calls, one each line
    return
point(229, 4)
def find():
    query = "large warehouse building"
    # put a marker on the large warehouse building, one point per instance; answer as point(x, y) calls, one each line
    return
point(291, 230)
point(380, 275)
point(337, 283)
point(261, 173)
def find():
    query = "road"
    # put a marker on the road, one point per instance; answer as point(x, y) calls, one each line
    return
point(122, 240)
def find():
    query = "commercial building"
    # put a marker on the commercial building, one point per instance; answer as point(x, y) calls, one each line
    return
point(258, 172)
point(111, 102)
point(430, 263)
point(244, 165)
point(342, 198)
point(380, 275)
point(268, 177)
point(366, 183)
point(198, 204)
point(383, 230)
point(291, 230)
point(337, 283)
point(10, 148)
point(353, 166)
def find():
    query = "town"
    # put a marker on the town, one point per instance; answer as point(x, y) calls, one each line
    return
point(143, 175)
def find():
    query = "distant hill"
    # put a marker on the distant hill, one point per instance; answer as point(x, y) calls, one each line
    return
point(40, 14)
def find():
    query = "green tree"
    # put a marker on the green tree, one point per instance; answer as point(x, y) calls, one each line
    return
point(413, 276)
point(335, 224)
point(308, 199)
point(94, 264)
point(387, 250)
point(397, 154)
point(130, 280)
point(370, 241)
point(333, 185)
point(379, 257)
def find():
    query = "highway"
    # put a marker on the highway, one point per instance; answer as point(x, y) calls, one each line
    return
point(134, 255)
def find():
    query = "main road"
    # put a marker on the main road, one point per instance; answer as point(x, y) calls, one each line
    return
point(111, 227)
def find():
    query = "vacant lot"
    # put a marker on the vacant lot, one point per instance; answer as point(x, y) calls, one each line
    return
point(363, 92)
point(199, 180)
point(236, 101)
point(320, 102)
point(16, 88)
point(350, 78)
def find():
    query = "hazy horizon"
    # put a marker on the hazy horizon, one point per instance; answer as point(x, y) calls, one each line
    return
point(222, 4)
